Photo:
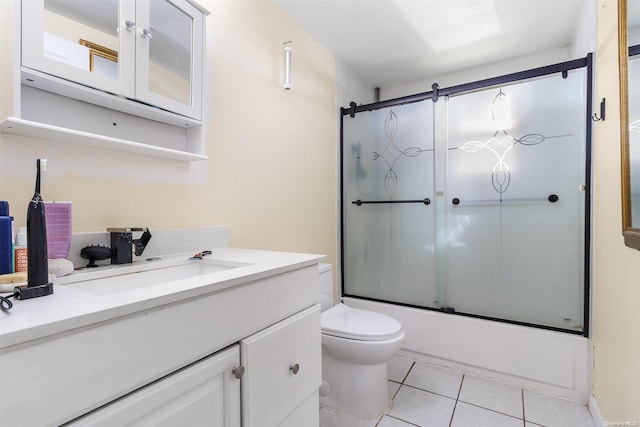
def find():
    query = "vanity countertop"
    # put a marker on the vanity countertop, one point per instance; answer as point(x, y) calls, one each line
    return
point(72, 307)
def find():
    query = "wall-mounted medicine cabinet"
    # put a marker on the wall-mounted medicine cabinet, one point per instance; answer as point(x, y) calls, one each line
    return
point(120, 74)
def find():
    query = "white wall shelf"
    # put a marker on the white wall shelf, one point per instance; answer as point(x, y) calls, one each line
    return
point(33, 129)
point(53, 84)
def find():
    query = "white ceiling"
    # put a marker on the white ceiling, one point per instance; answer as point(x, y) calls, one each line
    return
point(400, 41)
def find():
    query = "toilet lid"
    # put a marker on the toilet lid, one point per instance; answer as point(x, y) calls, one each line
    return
point(352, 323)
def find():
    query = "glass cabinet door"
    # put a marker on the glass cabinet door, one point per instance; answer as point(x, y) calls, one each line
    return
point(87, 43)
point(169, 59)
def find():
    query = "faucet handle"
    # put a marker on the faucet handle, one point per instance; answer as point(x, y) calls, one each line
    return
point(141, 243)
point(122, 243)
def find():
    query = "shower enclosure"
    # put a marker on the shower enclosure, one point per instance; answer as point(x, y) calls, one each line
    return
point(474, 199)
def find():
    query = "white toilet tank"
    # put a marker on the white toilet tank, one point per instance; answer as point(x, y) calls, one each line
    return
point(325, 286)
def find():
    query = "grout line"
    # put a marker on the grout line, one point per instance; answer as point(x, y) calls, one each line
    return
point(408, 372)
point(429, 391)
point(524, 420)
point(455, 405)
point(491, 410)
point(396, 393)
point(460, 388)
point(404, 421)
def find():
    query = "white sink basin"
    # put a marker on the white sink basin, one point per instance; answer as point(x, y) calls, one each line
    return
point(117, 280)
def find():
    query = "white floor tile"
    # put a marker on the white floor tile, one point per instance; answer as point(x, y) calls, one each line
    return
point(551, 412)
point(492, 395)
point(422, 408)
point(435, 379)
point(466, 415)
point(397, 368)
point(424, 401)
point(331, 418)
point(388, 421)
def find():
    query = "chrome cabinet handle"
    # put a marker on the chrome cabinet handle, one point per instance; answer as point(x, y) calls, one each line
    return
point(238, 372)
point(146, 33)
point(294, 368)
point(129, 25)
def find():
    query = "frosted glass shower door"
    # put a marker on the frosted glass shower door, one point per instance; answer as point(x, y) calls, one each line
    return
point(515, 201)
point(388, 246)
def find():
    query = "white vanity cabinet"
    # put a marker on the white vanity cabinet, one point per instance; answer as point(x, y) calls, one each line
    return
point(246, 353)
point(279, 370)
point(150, 51)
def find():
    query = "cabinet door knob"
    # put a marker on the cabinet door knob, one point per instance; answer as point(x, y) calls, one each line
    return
point(146, 33)
point(129, 25)
point(238, 372)
point(294, 368)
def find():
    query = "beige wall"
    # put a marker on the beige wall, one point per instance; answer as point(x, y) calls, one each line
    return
point(271, 176)
point(616, 268)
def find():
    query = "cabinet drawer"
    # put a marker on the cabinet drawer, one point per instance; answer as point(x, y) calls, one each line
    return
point(205, 393)
point(272, 386)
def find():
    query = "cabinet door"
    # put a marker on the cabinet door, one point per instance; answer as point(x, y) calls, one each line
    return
point(169, 57)
point(282, 370)
point(204, 394)
point(86, 43)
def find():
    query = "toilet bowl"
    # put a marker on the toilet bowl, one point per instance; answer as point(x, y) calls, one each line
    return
point(356, 346)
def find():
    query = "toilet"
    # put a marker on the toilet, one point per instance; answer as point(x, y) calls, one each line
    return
point(356, 346)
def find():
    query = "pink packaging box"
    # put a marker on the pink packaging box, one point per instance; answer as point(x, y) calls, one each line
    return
point(58, 220)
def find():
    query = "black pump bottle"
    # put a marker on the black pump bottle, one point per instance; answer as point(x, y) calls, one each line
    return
point(37, 260)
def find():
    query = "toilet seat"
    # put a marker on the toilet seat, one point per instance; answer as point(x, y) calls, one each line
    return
point(351, 323)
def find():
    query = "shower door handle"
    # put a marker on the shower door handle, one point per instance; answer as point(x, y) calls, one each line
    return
point(551, 198)
point(425, 201)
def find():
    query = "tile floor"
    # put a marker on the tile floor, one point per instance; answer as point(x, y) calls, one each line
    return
point(432, 396)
